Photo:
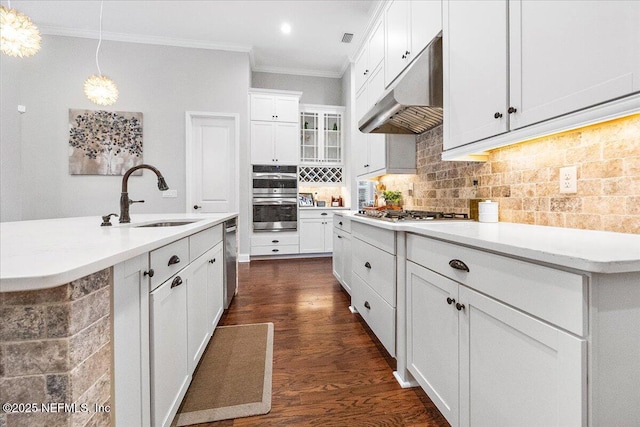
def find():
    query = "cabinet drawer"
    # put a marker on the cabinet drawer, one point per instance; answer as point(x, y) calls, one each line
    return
point(380, 316)
point(377, 268)
point(553, 295)
point(378, 237)
point(275, 250)
point(316, 214)
point(342, 222)
point(201, 242)
point(164, 264)
point(274, 239)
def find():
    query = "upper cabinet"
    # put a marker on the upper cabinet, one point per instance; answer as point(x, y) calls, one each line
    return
point(321, 134)
point(274, 127)
point(371, 56)
point(535, 67)
point(409, 27)
point(273, 107)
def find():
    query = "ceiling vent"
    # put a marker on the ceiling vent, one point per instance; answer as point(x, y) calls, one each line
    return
point(347, 37)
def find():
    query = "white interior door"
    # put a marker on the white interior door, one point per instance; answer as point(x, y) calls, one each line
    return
point(212, 163)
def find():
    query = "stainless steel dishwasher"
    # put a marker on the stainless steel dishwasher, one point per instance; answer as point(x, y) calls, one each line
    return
point(231, 260)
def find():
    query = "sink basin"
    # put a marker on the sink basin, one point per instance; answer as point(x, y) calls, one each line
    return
point(167, 223)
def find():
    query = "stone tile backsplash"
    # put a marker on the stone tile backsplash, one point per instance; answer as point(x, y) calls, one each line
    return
point(524, 178)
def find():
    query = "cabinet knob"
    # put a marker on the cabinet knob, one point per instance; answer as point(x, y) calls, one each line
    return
point(404, 56)
point(458, 265)
point(196, 207)
point(275, 250)
point(497, 115)
point(339, 237)
point(173, 260)
point(366, 72)
point(459, 306)
point(149, 273)
point(367, 305)
point(450, 300)
point(340, 223)
point(275, 241)
point(176, 282)
point(211, 261)
point(366, 264)
point(512, 110)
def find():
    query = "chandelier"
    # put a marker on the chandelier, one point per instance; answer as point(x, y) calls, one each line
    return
point(100, 89)
point(19, 37)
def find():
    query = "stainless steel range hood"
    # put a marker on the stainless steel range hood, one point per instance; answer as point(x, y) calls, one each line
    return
point(413, 103)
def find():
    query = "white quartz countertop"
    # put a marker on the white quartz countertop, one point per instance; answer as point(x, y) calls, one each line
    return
point(47, 253)
point(586, 250)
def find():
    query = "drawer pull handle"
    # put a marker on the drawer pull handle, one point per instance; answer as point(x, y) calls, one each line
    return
point(275, 241)
point(174, 260)
point(323, 214)
point(176, 282)
point(450, 300)
point(149, 273)
point(275, 250)
point(366, 305)
point(339, 237)
point(459, 306)
point(211, 261)
point(366, 264)
point(458, 265)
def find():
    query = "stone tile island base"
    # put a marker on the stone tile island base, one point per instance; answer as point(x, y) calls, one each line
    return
point(55, 354)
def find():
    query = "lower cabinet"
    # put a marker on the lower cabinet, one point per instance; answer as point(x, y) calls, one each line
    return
point(170, 374)
point(183, 314)
point(342, 258)
point(316, 231)
point(483, 362)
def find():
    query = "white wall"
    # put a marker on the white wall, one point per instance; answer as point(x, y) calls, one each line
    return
point(161, 82)
point(10, 151)
point(315, 90)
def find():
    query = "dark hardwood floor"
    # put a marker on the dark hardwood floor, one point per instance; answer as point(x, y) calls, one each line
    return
point(328, 368)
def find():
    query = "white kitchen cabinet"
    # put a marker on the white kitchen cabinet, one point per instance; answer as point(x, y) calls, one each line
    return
point(170, 374)
point(527, 62)
point(274, 143)
point(215, 285)
point(281, 243)
point(342, 251)
point(274, 107)
point(410, 26)
point(321, 134)
point(485, 361)
point(274, 127)
point(371, 55)
point(316, 231)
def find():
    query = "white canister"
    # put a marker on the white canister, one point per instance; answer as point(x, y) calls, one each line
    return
point(488, 211)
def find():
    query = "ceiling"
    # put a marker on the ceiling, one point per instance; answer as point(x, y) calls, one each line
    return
point(313, 47)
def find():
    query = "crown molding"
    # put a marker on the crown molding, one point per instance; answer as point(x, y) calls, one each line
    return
point(137, 38)
point(298, 72)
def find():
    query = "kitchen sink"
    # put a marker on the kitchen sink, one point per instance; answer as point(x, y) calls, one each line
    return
point(167, 223)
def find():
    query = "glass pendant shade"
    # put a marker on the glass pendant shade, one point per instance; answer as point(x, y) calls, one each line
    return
point(101, 90)
point(18, 36)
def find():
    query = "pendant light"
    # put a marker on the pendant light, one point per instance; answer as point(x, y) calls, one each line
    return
point(19, 37)
point(100, 89)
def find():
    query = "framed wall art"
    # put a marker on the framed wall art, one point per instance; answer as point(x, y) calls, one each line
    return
point(104, 142)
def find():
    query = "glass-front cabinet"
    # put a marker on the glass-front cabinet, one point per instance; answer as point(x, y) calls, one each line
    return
point(321, 129)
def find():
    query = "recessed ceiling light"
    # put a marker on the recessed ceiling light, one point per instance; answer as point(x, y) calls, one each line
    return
point(285, 28)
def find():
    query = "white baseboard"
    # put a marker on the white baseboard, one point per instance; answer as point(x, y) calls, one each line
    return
point(405, 383)
point(244, 258)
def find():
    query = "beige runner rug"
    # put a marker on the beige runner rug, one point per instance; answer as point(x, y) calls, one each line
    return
point(233, 378)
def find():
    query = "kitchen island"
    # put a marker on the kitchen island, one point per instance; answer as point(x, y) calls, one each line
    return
point(504, 322)
point(74, 303)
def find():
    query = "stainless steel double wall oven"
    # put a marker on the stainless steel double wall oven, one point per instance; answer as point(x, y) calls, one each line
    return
point(275, 198)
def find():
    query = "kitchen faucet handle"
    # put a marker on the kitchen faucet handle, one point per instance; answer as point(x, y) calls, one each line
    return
point(106, 220)
point(135, 201)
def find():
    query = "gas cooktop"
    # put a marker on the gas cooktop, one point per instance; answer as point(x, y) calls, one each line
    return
point(410, 215)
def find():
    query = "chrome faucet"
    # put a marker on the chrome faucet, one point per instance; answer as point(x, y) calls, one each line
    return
point(125, 201)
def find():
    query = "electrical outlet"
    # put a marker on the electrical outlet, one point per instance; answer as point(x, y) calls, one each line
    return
point(170, 193)
point(568, 180)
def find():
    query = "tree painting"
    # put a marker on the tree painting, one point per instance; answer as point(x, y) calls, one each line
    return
point(104, 142)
